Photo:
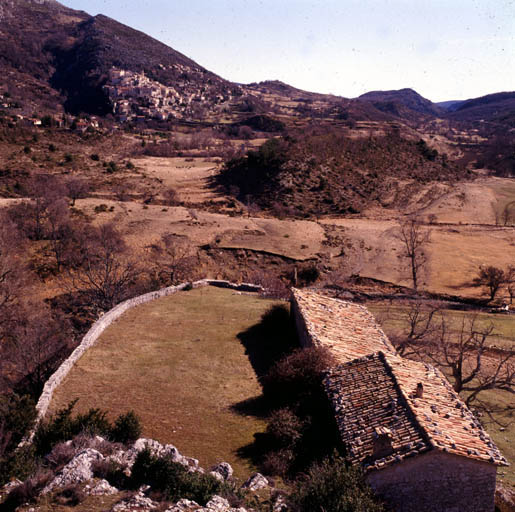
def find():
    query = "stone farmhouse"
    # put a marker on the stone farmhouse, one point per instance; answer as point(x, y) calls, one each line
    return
point(420, 446)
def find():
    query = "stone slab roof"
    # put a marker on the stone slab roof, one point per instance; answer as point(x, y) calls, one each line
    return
point(379, 391)
point(373, 389)
point(347, 329)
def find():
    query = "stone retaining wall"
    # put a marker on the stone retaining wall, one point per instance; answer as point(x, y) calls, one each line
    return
point(107, 319)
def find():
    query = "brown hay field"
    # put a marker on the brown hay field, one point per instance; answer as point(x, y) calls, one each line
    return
point(179, 364)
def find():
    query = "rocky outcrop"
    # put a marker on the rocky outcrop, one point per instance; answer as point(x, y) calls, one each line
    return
point(255, 482)
point(215, 504)
point(77, 471)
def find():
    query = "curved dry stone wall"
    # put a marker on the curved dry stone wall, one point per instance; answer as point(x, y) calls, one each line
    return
point(107, 319)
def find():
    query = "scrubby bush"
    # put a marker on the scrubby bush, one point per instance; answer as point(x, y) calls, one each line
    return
point(63, 426)
point(71, 495)
point(127, 428)
point(17, 415)
point(331, 485)
point(297, 376)
point(28, 491)
point(285, 427)
point(173, 479)
point(111, 471)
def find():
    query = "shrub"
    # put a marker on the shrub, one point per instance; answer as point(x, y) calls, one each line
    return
point(18, 464)
point(173, 479)
point(331, 485)
point(17, 415)
point(111, 471)
point(95, 157)
point(28, 491)
point(71, 495)
point(297, 376)
point(63, 426)
point(126, 429)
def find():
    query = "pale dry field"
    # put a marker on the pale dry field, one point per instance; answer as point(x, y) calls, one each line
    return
point(145, 224)
point(189, 177)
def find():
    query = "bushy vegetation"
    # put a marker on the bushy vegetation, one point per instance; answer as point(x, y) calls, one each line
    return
point(332, 485)
point(322, 171)
point(17, 415)
point(173, 479)
point(63, 426)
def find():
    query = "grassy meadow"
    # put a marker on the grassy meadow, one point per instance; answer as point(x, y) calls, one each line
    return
point(178, 363)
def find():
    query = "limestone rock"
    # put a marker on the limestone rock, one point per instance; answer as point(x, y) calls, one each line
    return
point(137, 503)
point(78, 470)
point(255, 482)
point(222, 471)
point(184, 505)
point(102, 488)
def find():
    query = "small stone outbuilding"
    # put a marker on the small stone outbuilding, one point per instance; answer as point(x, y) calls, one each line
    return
point(422, 449)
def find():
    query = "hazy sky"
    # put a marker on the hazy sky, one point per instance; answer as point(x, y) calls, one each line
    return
point(444, 49)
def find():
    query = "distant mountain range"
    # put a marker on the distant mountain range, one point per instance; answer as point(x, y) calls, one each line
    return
point(63, 60)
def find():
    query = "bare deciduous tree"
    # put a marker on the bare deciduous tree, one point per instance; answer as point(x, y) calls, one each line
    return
point(510, 282)
point(419, 327)
point(172, 257)
point(105, 271)
point(491, 278)
point(463, 352)
point(76, 188)
point(466, 354)
point(414, 238)
point(35, 347)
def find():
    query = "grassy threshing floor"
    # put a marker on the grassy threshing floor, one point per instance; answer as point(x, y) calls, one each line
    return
point(178, 363)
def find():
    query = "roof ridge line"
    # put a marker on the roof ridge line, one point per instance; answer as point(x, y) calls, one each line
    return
point(427, 435)
point(384, 338)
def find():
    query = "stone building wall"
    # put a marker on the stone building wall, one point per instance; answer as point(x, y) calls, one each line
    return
point(305, 339)
point(437, 482)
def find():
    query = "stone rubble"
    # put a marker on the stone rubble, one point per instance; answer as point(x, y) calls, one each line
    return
point(216, 504)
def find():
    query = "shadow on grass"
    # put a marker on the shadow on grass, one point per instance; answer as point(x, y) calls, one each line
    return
point(307, 406)
point(269, 340)
point(266, 343)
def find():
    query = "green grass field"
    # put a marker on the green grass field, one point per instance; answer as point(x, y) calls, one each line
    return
point(178, 363)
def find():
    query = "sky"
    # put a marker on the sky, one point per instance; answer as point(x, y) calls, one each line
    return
point(444, 49)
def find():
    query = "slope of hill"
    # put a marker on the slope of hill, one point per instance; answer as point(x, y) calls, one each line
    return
point(397, 101)
point(329, 173)
point(450, 105)
point(70, 52)
point(497, 108)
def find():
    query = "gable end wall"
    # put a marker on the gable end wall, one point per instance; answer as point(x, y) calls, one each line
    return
point(437, 482)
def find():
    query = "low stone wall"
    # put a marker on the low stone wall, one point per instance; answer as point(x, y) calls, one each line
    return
point(108, 318)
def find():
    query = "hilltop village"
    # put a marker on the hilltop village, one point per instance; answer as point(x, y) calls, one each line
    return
point(137, 97)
